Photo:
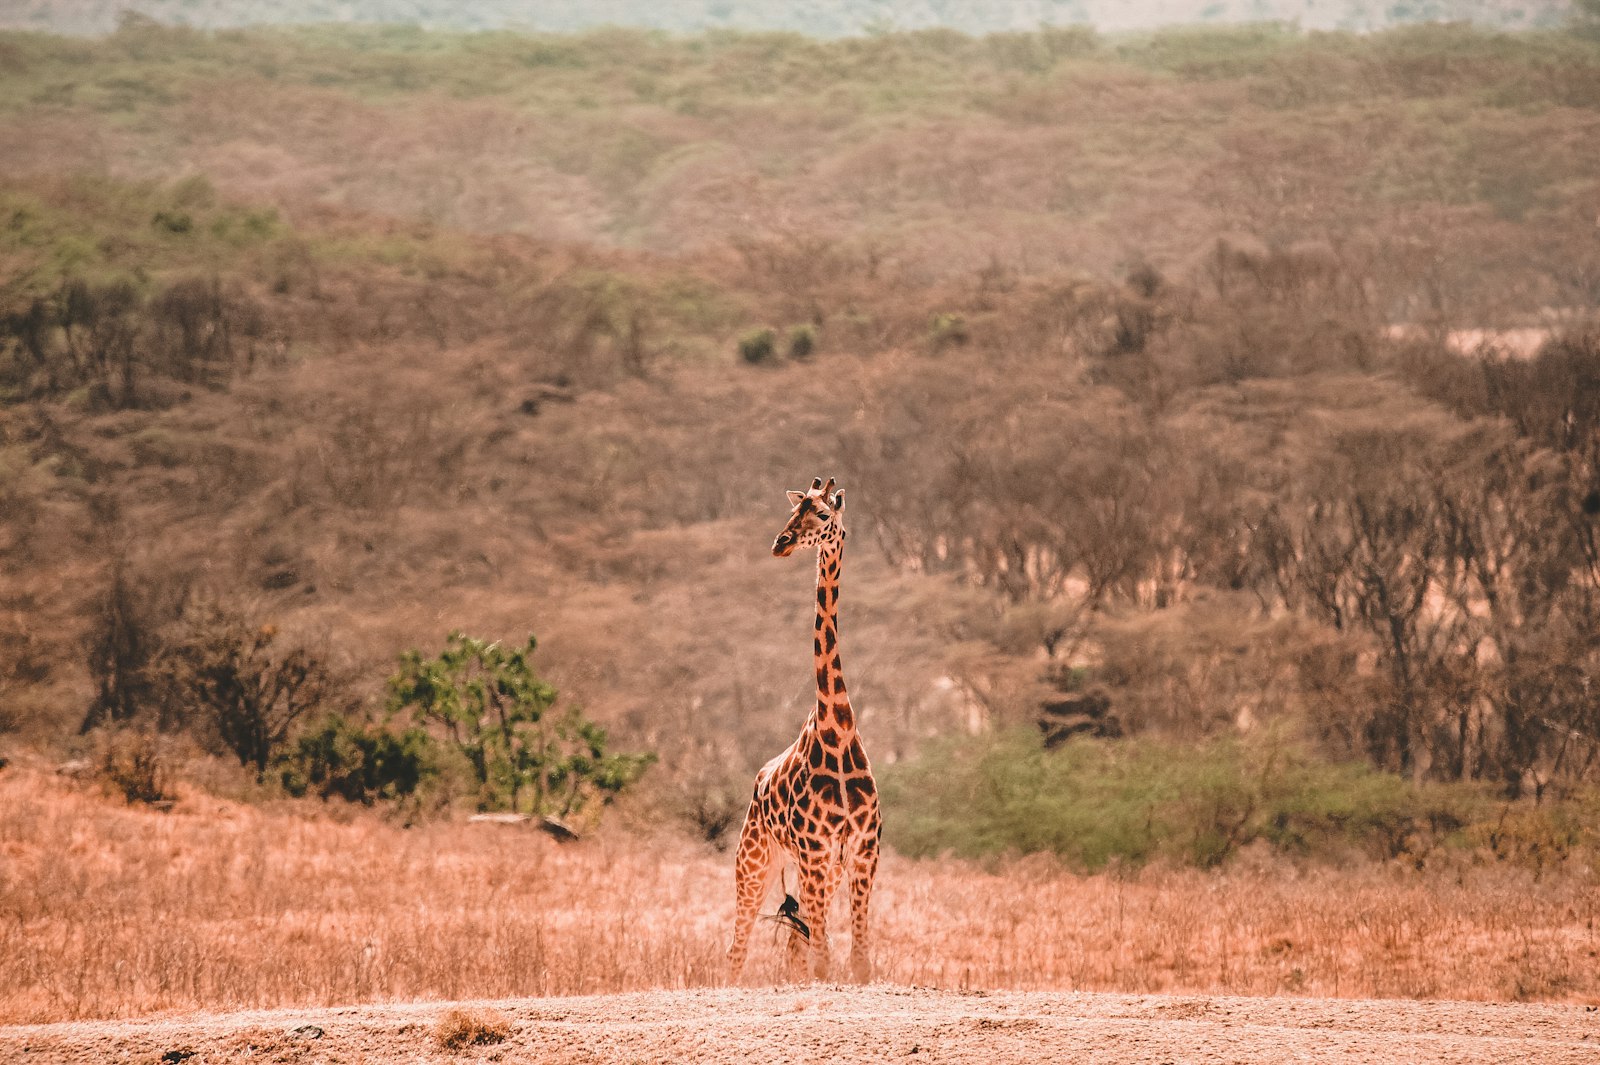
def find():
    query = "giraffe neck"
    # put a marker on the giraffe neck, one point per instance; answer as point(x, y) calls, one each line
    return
point(833, 704)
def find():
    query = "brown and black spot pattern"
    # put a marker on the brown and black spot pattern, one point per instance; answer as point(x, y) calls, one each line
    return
point(816, 804)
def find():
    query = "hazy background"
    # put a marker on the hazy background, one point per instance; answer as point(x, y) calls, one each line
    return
point(831, 18)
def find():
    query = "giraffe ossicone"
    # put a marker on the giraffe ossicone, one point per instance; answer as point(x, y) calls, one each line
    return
point(816, 804)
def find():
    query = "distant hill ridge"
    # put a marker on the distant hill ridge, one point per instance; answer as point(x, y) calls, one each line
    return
point(824, 18)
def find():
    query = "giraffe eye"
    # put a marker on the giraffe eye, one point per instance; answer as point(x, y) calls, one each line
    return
point(822, 515)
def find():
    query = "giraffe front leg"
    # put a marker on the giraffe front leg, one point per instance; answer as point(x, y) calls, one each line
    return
point(754, 866)
point(815, 873)
point(863, 870)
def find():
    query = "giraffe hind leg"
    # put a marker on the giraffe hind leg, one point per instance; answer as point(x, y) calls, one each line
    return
point(756, 865)
point(816, 873)
point(863, 870)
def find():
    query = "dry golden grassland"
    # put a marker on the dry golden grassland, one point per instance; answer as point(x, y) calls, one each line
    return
point(115, 911)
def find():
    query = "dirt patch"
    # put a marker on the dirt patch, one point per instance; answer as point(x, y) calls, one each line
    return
point(823, 1023)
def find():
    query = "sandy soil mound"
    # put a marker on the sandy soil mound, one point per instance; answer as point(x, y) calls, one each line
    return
point(841, 1023)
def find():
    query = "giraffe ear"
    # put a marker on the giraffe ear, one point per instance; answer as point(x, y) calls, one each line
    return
point(795, 498)
point(838, 500)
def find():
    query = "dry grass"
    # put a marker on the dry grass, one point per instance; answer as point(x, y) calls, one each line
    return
point(461, 1028)
point(114, 911)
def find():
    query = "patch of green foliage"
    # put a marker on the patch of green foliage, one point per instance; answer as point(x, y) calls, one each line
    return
point(147, 65)
point(1411, 61)
point(610, 104)
point(357, 762)
point(101, 230)
point(758, 346)
point(947, 331)
point(1099, 802)
point(1205, 53)
point(802, 341)
point(492, 709)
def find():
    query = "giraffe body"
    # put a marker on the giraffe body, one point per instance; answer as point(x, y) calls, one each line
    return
point(815, 804)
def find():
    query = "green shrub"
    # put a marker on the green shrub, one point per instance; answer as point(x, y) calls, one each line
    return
point(173, 221)
point(357, 762)
point(500, 716)
point(947, 331)
point(802, 341)
point(1534, 835)
point(1095, 802)
point(758, 346)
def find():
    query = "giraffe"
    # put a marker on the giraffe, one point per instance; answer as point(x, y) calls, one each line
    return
point(815, 803)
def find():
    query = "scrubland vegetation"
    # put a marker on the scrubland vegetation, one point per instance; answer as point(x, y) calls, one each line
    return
point(335, 363)
point(823, 18)
point(122, 911)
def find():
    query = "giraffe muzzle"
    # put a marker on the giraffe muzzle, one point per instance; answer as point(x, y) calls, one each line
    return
point(783, 546)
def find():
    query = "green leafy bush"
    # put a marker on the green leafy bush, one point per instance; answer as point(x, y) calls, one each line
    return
point(802, 341)
point(358, 762)
point(500, 716)
point(758, 346)
point(173, 221)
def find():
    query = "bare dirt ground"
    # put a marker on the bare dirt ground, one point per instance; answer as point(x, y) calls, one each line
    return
point(831, 1023)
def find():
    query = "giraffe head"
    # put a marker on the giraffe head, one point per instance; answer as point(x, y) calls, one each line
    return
point(818, 518)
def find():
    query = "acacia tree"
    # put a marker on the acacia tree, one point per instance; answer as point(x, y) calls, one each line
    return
point(121, 648)
point(1360, 544)
point(1058, 488)
point(1519, 512)
point(494, 709)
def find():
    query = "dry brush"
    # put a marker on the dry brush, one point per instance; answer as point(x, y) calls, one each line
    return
point(115, 911)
